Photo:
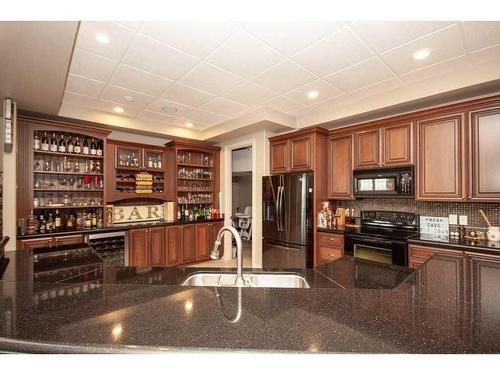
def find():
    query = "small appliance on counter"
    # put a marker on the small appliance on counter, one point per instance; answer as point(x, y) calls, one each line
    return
point(379, 183)
point(382, 237)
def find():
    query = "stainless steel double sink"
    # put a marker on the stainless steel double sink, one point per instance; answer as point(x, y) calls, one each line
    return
point(252, 280)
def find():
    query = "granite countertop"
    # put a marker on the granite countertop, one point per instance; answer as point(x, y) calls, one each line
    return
point(352, 306)
point(464, 244)
point(118, 227)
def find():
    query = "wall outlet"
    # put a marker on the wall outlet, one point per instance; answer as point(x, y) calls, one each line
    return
point(463, 219)
point(452, 219)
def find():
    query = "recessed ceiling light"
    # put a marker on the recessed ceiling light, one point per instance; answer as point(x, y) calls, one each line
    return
point(312, 94)
point(102, 38)
point(422, 54)
point(128, 98)
point(169, 109)
point(118, 109)
point(189, 124)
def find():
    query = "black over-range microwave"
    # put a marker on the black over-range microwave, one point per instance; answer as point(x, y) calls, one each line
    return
point(390, 183)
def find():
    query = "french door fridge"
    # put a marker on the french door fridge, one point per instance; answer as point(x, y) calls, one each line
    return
point(287, 220)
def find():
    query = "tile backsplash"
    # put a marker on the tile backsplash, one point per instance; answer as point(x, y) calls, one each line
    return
point(440, 209)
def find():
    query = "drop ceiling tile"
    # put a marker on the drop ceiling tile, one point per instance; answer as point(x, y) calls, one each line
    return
point(158, 105)
point(375, 89)
point(478, 35)
point(107, 106)
point(154, 57)
point(485, 55)
point(139, 80)
point(119, 36)
point(244, 55)
point(334, 53)
point(284, 77)
point(196, 38)
point(93, 66)
point(79, 100)
point(223, 107)
point(134, 25)
point(291, 37)
point(205, 117)
point(117, 95)
point(186, 95)
point(84, 86)
point(360, 75)
point(444, 44)
point(440, 69)
point(383, 35)
point(324, 89)
point(283, 104)
point(249, 94)
point(159, 117)
point(211, 79)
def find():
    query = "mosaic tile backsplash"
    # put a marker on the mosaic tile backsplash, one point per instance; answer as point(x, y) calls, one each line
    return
point(440, 209)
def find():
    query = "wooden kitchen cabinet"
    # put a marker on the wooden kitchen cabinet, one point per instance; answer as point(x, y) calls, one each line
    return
point(206, 234)
point(138, 247)
point(188, 250)
point(484, 149)
point(441, 165)
point(397, 145)
point(53, 241)
point(340, 178)
point(331, 247)
point(147, 247)
point(418, 254)
point(384, 146)
point(174, 245)
point(367, 149)
point(301, 153)
point(279, 156)
point(181, 244)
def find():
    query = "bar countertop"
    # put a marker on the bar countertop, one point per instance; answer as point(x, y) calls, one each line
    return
point(353, 306)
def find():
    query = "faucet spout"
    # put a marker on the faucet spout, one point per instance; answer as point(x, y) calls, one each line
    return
point(215, 254)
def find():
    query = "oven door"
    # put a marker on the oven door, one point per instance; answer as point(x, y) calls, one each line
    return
point(376, 249)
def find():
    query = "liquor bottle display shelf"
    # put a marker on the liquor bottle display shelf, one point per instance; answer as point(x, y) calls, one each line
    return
point(67, 154)
point(61, 207)
point(194, 165)
point(69, 173)
point(71, 190)
point(195, 179)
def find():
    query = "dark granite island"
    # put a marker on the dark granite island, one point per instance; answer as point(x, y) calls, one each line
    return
point(450, 305)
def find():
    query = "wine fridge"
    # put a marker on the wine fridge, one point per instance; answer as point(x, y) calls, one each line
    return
point(112, 247)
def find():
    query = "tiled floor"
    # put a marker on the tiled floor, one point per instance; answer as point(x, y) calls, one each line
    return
point(222, 263)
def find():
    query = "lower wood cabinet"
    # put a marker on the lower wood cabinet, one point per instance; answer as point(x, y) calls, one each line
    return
point(53, 241)
point(188, 247)
point(206, 234)
point(174, 245)
point(181, 244)
point(418, 255)
point(331, 247)
point(147, 247)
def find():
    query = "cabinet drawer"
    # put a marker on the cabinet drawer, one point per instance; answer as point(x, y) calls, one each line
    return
point(426, 252)
point(326, 239)
point(329, 254)
point(416, 262)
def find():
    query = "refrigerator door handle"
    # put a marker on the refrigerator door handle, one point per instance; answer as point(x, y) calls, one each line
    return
point(279, 204)
point(282, 211)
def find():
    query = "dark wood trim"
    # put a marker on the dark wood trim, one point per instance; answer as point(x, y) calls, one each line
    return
point(301, 132)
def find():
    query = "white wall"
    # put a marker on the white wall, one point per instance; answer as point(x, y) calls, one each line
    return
point(9, 216)
point(260, 167)
point(242, 160)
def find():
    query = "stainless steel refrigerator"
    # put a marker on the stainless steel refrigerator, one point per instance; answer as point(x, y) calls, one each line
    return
point(287, 220)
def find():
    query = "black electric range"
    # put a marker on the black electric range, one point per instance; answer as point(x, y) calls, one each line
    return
point(382, 236)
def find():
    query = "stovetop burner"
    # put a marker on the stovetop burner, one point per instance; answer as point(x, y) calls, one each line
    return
point(388, 224)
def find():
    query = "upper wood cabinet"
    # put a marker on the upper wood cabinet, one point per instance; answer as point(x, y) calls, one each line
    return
point(397, 146)
point(441, 159)
point(340, 167)
point(385, 146)
point(367, 146)
point(297, 151)
point(280, 156)
point(484, 149)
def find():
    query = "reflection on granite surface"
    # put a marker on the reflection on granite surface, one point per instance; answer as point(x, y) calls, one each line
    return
point(450, 305)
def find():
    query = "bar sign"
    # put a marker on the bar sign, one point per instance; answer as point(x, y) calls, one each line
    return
point(434, 225)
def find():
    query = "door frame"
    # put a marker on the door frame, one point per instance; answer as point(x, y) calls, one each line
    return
point(227, 199)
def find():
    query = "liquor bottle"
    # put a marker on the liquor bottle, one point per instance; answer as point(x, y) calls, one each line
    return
point(99, 149)
point(53, 143)
point(57, 222)
point(150, 162)
point(69, 145)
point(50, 224)
point(36, 141)
point(85, 148)
point(70, 223)
point(45, 142)
point(93, 147)
point(159, 162)
point(43, 224)
point(80, 224)
point(77, 149)
point(93, 220)
point(62, 144)
point(180, 213)
point(88, 221)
